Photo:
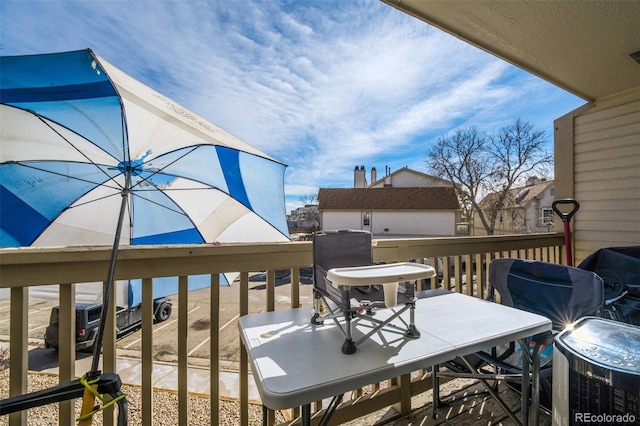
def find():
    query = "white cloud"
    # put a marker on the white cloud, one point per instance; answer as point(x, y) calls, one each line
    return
point(320, 85)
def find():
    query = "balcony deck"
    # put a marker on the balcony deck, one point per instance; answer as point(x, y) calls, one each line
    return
point(468, 404)
point(22, 268)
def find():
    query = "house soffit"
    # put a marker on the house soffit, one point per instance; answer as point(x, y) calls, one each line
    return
point(580, 46)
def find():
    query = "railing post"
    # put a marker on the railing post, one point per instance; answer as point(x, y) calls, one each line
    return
point(183, 338)
point(18, 347)
point(147, 352)
point(404, 383)
point(214, 349)
point(468, 271)
point(295, 288)
point(244, 359)
point(457, 272)
point(487, 261)
point(67, 348)
point(271, 290)
point(434, 279)
point(479, 276)
point(446, 276)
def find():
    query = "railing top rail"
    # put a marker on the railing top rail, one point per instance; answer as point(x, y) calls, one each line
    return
point(410, 248)
point(25, 266)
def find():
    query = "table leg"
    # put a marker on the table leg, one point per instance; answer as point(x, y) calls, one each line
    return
point(494, 392)
point(535, 403)
point(265, 415)
point(435, 381)
point(306, 415)
point(526, 380)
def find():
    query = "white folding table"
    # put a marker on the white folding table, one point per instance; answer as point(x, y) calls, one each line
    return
point(295, 363)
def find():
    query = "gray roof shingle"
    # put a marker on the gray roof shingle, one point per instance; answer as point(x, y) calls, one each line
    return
point(429, 198)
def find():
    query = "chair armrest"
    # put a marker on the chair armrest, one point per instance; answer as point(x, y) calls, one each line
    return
point(544, 338)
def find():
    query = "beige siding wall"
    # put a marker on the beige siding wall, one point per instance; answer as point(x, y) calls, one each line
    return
point(332, 220)
point(606, 145)
point(411, 179)
point(413, 223)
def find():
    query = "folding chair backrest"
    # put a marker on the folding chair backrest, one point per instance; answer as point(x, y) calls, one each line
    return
point(561, 293)
point(339, 249)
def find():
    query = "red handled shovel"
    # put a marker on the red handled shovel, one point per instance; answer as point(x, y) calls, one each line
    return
point(566, 218)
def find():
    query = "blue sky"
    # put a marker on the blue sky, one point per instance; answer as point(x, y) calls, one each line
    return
point(320, 85)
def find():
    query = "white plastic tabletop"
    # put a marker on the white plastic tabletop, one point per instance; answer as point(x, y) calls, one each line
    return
point(295, 363)
point(380, 274)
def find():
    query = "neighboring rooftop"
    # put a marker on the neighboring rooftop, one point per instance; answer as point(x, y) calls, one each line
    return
point(427, 198)
point(519, 197)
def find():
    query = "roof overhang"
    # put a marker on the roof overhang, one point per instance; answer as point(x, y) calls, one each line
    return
point(583, 47)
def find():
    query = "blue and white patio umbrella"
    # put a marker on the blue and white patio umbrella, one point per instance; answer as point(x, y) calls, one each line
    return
point(82, 142)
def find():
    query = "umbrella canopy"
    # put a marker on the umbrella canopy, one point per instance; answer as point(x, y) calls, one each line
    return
point(79, 137)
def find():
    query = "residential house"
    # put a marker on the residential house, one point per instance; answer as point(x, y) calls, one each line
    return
point(404, 203)
point(526, 210)
point(304, 219)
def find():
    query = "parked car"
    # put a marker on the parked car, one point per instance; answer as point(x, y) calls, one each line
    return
point(88, 321)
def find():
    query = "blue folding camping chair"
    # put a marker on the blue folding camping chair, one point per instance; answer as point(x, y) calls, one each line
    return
point(561, 293)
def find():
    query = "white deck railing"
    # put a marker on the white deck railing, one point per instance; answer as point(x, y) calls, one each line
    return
point(25, 267)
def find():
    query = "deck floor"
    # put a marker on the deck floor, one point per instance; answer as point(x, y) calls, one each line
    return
point(470, 406)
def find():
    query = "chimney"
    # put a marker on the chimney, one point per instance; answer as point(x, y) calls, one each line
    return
point(359, 178)
point(387, 176)
point(374, 175)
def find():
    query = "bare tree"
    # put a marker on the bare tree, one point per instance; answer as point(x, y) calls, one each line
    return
point(460, 158)
point(480, 164)
point(311, 212)
point(309, 199)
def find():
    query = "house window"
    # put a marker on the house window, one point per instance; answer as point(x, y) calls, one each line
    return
point(546, 216)
point(366, 219)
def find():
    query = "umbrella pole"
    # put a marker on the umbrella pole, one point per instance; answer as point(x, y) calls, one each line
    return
point(97, 347)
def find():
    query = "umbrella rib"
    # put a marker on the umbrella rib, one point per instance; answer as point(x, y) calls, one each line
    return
point(41, 118)
point(137, 194)
point(26, 164)
point(146, 179)
point(92, 201)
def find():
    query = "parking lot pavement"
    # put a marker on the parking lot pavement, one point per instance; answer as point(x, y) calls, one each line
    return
point(165, 333)
point(165, 339)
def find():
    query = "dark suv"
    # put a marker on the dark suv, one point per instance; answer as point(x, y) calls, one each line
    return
point(88, 321)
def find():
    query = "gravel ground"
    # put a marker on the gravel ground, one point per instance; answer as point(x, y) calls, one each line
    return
point(165, 406)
